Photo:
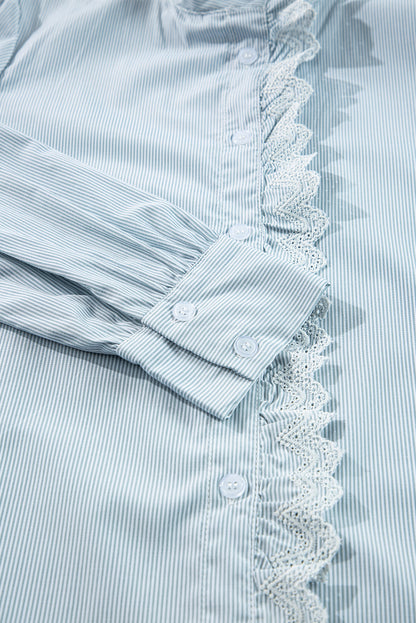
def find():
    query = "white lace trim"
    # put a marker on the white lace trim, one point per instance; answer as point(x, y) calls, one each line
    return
point(293, 224)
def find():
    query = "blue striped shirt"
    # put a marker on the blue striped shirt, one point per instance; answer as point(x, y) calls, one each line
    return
point(207, 306)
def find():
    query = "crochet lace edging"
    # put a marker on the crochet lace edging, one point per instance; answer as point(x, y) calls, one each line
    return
point(295, 417)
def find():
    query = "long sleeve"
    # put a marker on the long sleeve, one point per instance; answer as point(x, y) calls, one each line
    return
point(96, 264)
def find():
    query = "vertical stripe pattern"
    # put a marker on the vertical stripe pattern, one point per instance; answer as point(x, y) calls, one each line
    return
point(163, 124)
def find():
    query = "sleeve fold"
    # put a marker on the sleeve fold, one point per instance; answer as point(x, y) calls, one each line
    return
point(94, 263)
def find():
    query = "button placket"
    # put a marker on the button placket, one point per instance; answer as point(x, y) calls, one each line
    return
point(241, 128)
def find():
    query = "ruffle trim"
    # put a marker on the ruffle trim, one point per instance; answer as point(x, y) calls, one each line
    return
point(294, 543)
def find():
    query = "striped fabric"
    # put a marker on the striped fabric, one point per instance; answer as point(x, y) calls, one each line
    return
point(167, 251)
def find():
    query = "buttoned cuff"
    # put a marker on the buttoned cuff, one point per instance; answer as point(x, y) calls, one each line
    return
point(223, 323)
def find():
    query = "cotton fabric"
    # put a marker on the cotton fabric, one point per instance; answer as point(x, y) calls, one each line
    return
point(120, 181)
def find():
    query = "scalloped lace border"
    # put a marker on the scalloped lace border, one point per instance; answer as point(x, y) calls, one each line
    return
point(294, 225)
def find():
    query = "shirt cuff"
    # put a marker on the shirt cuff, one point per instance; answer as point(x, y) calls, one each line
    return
point(223, 324)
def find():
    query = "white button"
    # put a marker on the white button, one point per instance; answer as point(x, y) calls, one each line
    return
point(241, 137)
point(184, 311)
point(247, 56)
point(245, 346)
point(240, 231)
point(233, 485)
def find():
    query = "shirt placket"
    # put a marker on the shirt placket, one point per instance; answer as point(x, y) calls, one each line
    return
point(232, 482)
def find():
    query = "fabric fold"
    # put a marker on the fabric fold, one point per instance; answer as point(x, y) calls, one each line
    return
point(100, 265)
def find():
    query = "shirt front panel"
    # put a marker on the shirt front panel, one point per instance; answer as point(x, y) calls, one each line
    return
point(126, 513)
point(151, 94)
